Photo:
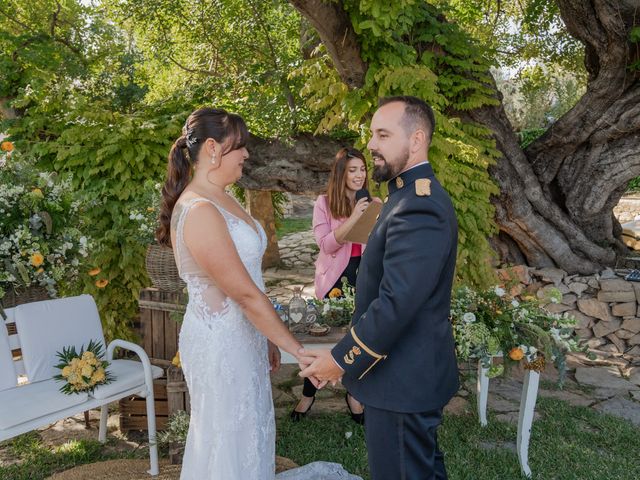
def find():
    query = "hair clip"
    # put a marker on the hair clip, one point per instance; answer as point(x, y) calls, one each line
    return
point(191, 140)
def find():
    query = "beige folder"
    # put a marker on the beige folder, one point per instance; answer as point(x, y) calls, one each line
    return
point(360, 231)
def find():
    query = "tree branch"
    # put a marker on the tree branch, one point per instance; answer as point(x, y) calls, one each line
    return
point(336, 32)
point(299, 166)
point(598, 24)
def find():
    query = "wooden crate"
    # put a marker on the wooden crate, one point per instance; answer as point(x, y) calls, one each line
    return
point(177, 393)
point(133, 409)
point(159, 332)
point(170, 393)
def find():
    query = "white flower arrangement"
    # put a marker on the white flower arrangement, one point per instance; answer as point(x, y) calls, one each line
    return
point(489, 322)
point(41, 242)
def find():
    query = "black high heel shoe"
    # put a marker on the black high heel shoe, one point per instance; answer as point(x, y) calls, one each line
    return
point(356, 417)
point(297, 416)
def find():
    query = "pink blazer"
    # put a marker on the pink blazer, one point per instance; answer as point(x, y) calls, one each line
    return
point(333, 257)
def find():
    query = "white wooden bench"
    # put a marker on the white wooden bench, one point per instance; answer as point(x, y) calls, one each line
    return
point(30, 398)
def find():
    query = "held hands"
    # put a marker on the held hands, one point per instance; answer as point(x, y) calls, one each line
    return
point(321, 369)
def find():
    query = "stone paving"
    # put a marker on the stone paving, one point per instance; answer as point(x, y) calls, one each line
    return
point(298, 252)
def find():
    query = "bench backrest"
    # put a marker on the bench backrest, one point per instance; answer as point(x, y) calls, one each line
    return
point(45, 328)
point(8, 343)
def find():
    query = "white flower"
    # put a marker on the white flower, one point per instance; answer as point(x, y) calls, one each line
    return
point(500, 291)
point(348, 435)
point(515, 303)
point(469, 317)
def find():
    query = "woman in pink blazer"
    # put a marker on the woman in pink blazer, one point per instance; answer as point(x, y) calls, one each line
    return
point(333, 216)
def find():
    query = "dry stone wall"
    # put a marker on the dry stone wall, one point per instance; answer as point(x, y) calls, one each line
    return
point(606, 307)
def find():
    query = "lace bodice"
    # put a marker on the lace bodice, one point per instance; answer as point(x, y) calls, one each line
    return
point(250, 243)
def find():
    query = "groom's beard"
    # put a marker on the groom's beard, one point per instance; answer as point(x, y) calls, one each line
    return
point(387, 171)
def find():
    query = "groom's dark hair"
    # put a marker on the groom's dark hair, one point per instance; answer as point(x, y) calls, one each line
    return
point(417, 114)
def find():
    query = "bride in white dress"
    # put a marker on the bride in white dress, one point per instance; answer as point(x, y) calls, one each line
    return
point(230, 335)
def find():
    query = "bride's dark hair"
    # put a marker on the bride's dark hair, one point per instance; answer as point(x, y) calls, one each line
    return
point(225, 128)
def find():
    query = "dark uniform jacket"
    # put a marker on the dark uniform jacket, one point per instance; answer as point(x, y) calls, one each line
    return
point(399, 354)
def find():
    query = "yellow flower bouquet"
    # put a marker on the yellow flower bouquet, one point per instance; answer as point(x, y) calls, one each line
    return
point(83, 371)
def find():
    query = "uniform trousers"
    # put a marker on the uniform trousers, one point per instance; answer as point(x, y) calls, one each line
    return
point(403, 446)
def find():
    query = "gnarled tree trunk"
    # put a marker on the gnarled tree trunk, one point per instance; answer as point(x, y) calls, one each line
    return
point(556, 196)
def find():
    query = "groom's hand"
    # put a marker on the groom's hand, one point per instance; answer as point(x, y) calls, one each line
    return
point(323, 368)
point(303, 363)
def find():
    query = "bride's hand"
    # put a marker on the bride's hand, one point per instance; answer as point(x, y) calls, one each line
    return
point(274, 357)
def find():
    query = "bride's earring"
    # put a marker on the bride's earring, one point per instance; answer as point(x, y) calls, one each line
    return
point(213, 160)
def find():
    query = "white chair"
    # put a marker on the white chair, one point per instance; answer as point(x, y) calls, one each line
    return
point(44, 328)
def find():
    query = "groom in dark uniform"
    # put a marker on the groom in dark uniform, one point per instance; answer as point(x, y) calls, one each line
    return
point(398, 359)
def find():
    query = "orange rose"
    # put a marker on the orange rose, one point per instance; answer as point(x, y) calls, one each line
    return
point(516, 354)
point(335, 293)
point(36, 259)
point(6, 146)
point(94, 272)
point(102, 283)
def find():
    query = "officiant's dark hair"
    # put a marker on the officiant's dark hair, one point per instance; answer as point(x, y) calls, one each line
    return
point(226, 128)
point(337, 199)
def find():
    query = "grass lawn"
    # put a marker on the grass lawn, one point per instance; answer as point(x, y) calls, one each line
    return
point(293, 225)
point(37, 462)
point(569, 443)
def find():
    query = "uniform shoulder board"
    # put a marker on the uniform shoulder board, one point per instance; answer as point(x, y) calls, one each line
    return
point(423, 187)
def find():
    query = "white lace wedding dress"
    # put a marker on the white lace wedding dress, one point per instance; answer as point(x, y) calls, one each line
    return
point(224, 359)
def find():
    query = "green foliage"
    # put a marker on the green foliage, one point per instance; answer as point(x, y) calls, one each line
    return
point(538, 96)
point(410, 51)
point(294, 225)
point(527, 137)
point(514, 33)
point(234, 54)
point(541, 66)
point(634, 185)
point(176, 429)
point(111, 155)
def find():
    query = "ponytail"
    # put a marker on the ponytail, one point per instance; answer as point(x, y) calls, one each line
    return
point(178, 176)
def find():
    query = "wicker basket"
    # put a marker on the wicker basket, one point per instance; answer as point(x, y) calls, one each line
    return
point(162, 269)
point(14, 297)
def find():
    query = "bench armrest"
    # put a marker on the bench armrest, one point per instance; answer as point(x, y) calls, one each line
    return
point(138, 350)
